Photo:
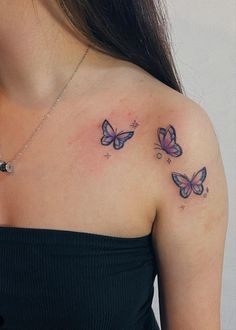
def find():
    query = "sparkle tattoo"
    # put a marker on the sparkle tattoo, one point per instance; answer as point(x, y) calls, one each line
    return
point(134, 124)
point(107, 155)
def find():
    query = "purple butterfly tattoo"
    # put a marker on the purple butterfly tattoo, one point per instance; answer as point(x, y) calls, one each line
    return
point(110, 135)
point(186, 186)
point(167, 141)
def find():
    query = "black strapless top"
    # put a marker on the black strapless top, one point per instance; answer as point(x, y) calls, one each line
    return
point(66, 280)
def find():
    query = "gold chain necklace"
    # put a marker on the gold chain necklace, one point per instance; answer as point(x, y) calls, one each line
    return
point(7, 166)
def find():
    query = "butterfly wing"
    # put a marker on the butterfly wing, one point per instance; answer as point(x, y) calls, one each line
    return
point(121, 138)
point(184, 184)
point(174, 150)
point(167, 139)
point(108, 133)
point(197, 181)
point(161, 132)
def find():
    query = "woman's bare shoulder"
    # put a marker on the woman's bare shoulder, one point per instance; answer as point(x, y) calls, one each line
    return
point(188, 186)
point(174, 132)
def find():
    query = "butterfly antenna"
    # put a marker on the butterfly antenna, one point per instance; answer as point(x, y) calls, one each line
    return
point(159, 147)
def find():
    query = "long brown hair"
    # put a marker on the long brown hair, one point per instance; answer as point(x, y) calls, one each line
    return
point(132, 30)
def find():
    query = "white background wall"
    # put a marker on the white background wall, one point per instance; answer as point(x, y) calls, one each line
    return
point(204, 42)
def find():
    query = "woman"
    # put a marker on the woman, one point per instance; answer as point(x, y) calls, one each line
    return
point(109, 174)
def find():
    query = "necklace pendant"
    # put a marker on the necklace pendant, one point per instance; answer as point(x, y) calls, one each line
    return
point(6, 167)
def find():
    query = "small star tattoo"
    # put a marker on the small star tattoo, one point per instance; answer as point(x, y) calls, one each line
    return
point(107, 155)
point(134, 124)
point(169, 160)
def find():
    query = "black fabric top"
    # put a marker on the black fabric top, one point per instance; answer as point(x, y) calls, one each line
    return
point(66, 280)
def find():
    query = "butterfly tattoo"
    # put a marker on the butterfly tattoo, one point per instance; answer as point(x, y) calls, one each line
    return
point(167, 141)
point(186, 185)
point(110, 135)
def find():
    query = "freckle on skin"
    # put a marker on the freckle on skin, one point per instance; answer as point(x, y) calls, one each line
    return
point(130, 113)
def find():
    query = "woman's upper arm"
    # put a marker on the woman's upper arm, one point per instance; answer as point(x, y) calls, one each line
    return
point(190, 228)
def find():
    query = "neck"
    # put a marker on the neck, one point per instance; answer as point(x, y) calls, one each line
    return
point(37, 53)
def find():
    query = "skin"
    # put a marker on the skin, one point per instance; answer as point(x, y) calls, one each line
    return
point(64, 181)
